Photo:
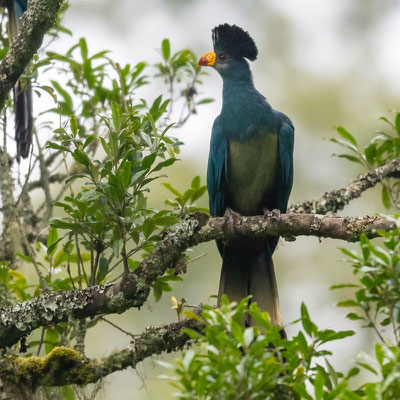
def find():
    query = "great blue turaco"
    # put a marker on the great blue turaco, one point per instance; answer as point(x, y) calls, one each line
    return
point(250, 169)
point(22, 92)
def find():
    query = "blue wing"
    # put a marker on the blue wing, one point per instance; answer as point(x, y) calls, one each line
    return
point(217, 171)
point(284, 178)
point(20, 7)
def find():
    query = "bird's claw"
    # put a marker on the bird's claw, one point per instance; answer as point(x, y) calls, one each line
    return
point(231, 218)
point(275, 213)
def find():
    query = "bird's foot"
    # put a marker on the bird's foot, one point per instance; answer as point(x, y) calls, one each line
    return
point(274, 214)
point(231, 219)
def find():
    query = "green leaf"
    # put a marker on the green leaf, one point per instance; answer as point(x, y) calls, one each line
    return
point(166, 49)
point(350, 158)
point(60, 257)
point(167, 220)
point(343, 285)
point(237, 331)
point(191, 315)
point(199, 193)
point(308, 325)
point(56, 146)
point(370, 391)
point(148, 227)
point(172, 189)
point(103, 269)
point(328, 335)
point(354, 317)
point(67, 98)
point(346, 135)
point(81, 157)
point(192, 333)
point(24, 257)
point(67, 393)
point(73, 177)
point(205, 101)
point(52, 240)
point(319, 386)
point(347, 303)
point(353, 372)
point(386, 197)
point(84, 49)
point(51, 339)
point(124, 174)
point(89, 140)
point(195, 182)
point(116, 115)
point(379, 353)
point(370, 153)
point(133, 264)
point(397, 123)
point(73, 122)
point(148, 160)
point(84, 257)
point(367, 367)
point(164, 164)
point(387, 121)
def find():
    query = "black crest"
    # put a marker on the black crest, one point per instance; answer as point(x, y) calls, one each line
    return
point(232, 40)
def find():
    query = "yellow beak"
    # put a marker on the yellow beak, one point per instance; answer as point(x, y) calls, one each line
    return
point(208, 59)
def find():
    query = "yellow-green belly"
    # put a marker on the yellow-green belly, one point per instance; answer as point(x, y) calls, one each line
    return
point(251, 173)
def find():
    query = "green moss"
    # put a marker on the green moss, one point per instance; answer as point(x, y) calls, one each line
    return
point(35, 365)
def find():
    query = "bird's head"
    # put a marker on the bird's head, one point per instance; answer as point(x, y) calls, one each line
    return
point(231, 46)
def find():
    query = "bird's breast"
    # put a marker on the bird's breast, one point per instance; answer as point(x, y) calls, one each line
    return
point(251, 173)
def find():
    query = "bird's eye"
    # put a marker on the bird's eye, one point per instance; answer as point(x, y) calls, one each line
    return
point(222, 56)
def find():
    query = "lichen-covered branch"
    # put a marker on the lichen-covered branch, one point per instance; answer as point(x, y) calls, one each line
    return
point(64, 366)
point(18, 321)
point(336, 200)
point(36, 21)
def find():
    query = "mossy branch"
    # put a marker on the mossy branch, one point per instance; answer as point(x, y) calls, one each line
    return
point(36, 21)
point(65, 366)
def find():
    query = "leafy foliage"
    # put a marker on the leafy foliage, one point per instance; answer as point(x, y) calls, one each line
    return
point(383, 148)
point(237, 362)
point(378, 291)
point(111, 146)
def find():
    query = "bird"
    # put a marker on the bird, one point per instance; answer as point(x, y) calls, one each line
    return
point(22, 91)
point(250, 170)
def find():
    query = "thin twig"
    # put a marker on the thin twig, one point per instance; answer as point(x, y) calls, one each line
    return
point(118, 327)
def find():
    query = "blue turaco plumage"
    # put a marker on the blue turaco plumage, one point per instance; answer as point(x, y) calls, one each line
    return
point(22, 93)
point(250, 168)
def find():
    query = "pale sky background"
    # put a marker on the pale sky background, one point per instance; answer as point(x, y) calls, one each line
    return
point(322, 62)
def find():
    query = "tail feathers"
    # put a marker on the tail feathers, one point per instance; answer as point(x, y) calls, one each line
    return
point(22, 95)
point(247, 273)
point(23, 119)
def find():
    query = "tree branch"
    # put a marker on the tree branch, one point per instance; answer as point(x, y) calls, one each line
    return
point(61, 306)
point(336, 200)
point(65, 366)
point(37, 20)
point(56, 178)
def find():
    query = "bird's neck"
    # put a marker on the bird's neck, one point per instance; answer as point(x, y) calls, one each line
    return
point(243, 106)
point(237, 82)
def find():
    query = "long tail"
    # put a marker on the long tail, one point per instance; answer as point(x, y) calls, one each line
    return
point(22, 95)
point(249, 270)
point(23, 118)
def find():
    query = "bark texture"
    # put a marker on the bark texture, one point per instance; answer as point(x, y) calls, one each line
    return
point(36, 21)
